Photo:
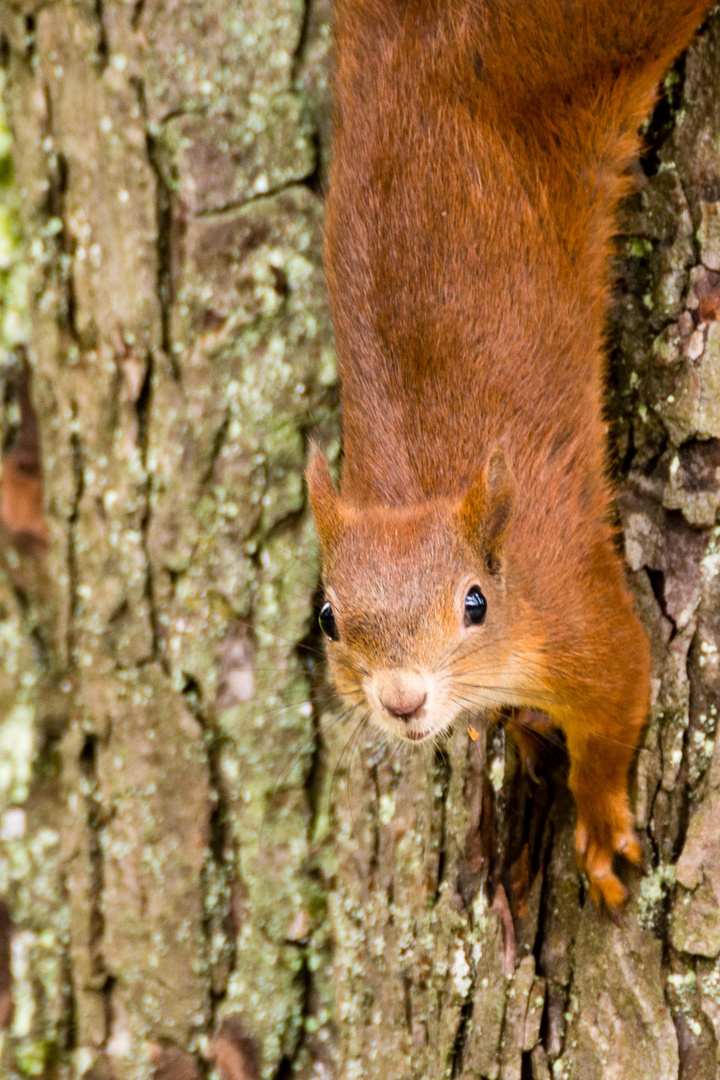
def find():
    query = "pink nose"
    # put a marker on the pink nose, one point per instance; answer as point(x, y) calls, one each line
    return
point(404, 704)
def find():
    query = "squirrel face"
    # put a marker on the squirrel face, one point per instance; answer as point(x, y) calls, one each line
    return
point(418, 614)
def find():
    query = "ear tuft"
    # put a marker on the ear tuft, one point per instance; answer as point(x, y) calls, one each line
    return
point(324, 501)
point(486, 510)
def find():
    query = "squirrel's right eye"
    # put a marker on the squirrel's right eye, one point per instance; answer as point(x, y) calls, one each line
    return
point(327, 622)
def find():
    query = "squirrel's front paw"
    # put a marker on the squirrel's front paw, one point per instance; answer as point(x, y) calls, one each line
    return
point(598, 837)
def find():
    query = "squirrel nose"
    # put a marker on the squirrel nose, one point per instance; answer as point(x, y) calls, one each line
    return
point(404, 704)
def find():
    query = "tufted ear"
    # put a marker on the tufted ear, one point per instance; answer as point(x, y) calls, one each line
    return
point(324, 501)
point(486, 510)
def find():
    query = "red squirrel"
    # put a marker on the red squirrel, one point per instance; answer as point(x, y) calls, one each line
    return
point(469, 561)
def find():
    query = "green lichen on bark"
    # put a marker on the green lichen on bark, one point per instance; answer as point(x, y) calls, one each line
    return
point(174, 315)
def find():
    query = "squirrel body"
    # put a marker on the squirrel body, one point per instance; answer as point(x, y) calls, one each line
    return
point(480, 149)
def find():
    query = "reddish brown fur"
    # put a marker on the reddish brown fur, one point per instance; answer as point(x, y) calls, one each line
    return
point(21, 481)
point(478, 158)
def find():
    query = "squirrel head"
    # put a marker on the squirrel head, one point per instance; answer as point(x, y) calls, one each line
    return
point(418, 611)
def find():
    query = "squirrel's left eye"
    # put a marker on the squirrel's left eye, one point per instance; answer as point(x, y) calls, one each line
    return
point(327, 622)
point(475, 607)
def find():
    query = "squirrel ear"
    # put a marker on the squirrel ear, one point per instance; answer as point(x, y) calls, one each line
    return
point(324, 501)
point(486, 510)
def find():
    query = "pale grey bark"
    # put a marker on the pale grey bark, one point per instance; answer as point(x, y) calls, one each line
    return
point(198, 865)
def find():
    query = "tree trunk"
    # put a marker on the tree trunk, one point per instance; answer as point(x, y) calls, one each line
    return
point(205, 867)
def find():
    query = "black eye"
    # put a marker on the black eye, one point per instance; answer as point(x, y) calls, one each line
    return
point(475, 607)
point(327, 622)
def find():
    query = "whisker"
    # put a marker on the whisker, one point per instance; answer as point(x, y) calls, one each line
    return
point(472, 647)
point(616, 742)
point(398, 745)
point(476, 703)
point(260, 706)
point(350, 666)
point(298, 646)
point(339, 762)
point(539, 695)
point(348, 779)
point(296, 756)
point(552, 746)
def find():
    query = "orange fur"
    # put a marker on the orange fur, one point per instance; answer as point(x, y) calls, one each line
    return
point(478, 158)
point(21, 496)
point(21, 480)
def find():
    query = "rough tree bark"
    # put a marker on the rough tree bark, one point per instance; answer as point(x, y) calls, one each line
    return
point(201, 867)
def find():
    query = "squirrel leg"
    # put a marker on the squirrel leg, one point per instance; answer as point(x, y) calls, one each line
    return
point(599, 765)
point(603, 713)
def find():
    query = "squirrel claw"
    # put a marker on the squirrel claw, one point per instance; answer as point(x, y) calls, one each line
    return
point(617, 916)
point(595, 855)
point(607, 890)
point(628, 845)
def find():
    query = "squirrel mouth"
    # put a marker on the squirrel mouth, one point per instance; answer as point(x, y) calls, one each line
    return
point(415, 736)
